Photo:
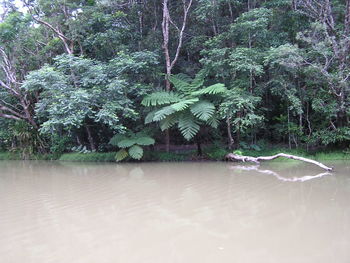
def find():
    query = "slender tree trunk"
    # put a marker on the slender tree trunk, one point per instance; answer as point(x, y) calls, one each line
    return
point(169, 63)
point(90, 138)
point(229, 133)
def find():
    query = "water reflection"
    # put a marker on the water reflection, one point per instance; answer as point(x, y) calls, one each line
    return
point(256, 168)
point(172, 212)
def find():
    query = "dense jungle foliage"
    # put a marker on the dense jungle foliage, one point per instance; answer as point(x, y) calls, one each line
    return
point(130, 76)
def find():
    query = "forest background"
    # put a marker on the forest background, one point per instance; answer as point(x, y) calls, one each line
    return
point(173, 79)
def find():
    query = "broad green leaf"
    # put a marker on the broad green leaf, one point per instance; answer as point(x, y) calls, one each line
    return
point(121, 155)
point(144, 140)
point(160, 98)
point(188, 126)
point(126, 143)
point(211, 90)
point(203, 110)
point(136, 152)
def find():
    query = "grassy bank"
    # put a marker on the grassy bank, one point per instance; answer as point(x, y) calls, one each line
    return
point(18, 156)
point(209, 153)
point(88, 157)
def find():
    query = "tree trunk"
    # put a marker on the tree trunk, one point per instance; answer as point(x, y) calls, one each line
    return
point(169, 63)
point(90, 138)
point(229, 133)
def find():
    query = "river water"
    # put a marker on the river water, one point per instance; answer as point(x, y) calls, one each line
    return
point(173, 212)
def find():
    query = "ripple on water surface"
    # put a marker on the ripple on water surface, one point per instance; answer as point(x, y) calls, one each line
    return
point(172, 212)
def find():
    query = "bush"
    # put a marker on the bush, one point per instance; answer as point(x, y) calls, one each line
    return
point(215, 153)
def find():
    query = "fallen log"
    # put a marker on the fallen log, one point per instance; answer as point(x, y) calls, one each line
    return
point(241, 158)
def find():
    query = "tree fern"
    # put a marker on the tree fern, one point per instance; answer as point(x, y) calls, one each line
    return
point(213, 121)
point(203, 110)
point(160, 98)
point(125, 143)
point(162, 113)
point(150, 116)
point(180, 81)
point(188, 126)
point(121, 155)
point(211, 90)
point(182, 105)
point(168, 122)
point(133, 142)
point(136, 152)
point(145, 140)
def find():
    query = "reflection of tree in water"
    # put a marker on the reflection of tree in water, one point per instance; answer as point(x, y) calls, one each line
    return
point(279, 177)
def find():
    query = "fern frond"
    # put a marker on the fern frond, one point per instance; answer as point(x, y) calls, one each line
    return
point(125, 143)
point(203, 110)
point(121, 155)
point(180, 81)
point(182, 105)
point(211, 90)
point(213, 121)
point(198, 81)
point(145, 140)
point(168, 122)
point(136, 152)
point(116, 138)
point(160, 98)
point(188, 126)
point(162, 113)
point(150, 116)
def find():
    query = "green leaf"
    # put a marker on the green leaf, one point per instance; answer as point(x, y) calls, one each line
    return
point(145, 140)
point(188, 126)
point(213, 121)
point(180, 81)
point(116, 138)
point(121, 155)
point(211, 90)
point(203, 110)
point(150, 116)
point(182, 105)
point(162, 113)
point(160, 98)
point(168, 122)
point(126, 143)
point(136, 152)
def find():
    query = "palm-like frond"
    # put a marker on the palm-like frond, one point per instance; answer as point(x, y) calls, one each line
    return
point(176, 107)
point(213, 121)
point(144, 140)
point(163, 112)
point(160, 98)
point(188, 126)
point(198, 81)
point(211, 90)
point(136, 152)
point(121, 155)
point(125, 143)
point(168, 122)
point(150, 117)
point(117, 138)
point(182, 105)
point(180, 81)
point(203, 110)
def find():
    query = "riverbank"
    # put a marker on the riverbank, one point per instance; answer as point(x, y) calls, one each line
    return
point(209, 154)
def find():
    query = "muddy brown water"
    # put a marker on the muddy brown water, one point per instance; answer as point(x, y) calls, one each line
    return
point(173, 212)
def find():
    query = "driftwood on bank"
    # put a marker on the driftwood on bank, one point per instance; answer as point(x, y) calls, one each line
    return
point(235, 157)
